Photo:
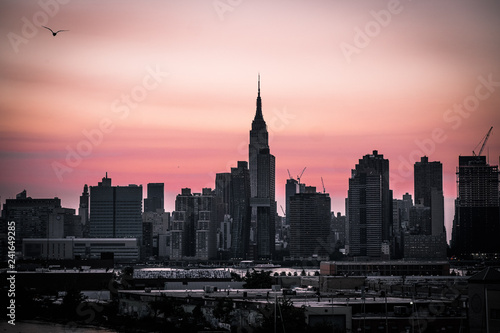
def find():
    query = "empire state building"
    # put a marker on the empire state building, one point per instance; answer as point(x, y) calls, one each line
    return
point(262, 186)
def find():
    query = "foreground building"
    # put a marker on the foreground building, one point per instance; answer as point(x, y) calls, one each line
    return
point(484, 300)
point(328, 304)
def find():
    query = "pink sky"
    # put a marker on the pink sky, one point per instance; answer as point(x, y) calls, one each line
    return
point(324, 108)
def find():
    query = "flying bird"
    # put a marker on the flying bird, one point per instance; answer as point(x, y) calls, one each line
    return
point(53, 33)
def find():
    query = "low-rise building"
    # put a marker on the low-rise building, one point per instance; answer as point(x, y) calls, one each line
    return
point(364, 268)
point(123, 249)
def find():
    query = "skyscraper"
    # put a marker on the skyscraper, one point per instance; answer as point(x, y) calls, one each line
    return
point(155, 199)
point(240, 211)
point(292, 187)
point(262, 185)
point(369, 207)
point(83, 209)
point(194, 225)
point(428, 178)
point(310, 217)
point(223, 190)
point(115, 211)
point(476, 226)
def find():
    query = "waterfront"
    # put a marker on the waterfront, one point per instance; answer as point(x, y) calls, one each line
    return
point(241, 271)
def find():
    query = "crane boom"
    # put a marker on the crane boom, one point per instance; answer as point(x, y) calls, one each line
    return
point(483, 140)
point(298, 177)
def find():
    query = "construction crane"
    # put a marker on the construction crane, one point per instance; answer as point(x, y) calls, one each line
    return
point(483, 141)
point(322, 183)
point(284, 214)
point(289, 175)
point(298, 177)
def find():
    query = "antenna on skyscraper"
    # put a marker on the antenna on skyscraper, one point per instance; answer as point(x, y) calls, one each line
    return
point(259, 86)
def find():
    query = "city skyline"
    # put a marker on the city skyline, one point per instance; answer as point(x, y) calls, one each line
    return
point(328, 99)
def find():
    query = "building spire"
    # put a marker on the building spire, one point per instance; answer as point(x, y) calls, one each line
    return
point(258, 113)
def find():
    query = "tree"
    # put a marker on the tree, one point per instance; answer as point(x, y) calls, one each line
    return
point(126, 278)
point(236, 276)
point(168, 307)
point(289, 318)
point(258, 280)
point(222, 310)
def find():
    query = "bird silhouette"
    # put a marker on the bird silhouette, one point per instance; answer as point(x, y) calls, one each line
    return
point(53, 33)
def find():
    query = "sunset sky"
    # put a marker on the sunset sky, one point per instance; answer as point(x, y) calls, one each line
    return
point(164, 91)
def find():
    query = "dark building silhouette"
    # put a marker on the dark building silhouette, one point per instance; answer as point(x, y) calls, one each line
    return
point(160, 225)
point(83, 210)
point(30, 215)
point(292, 187)
point(155, 221)
point(476, 226)
point(400, 222)
point(64, 223)
point(428, 185)
point(419, 241)
point(338, 230)
point(420, 220)
point(223, 190)
point(262, 186)
point(147, 240)
point(401, 212)
point(310, 215)
point(240, 211)
point(194, 225)
point(115, 211)
point(155, 199)
point(370, 208)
